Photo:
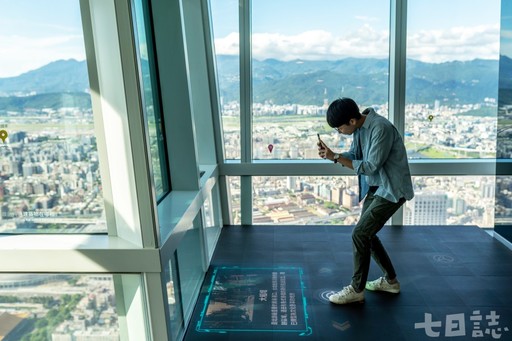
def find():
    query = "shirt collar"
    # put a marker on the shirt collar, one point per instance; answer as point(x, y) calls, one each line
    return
point(369, 118)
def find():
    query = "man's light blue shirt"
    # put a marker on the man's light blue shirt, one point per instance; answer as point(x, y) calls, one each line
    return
point(383, 161)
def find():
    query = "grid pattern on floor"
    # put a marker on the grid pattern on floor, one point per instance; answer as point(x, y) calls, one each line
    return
point(450, 277)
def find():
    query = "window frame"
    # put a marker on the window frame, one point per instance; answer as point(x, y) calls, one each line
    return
point(397, 65)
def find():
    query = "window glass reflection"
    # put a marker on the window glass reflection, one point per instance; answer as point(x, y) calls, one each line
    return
point(211, 223)
point(151, 102)
point(190, 266)
point(173, 299)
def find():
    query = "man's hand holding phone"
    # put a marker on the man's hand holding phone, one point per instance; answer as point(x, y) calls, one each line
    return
point(323, 150)
point(320, 144)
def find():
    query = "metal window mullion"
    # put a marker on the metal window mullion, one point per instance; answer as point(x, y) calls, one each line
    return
point(212, 80)
point(245, 108)
point(132, 316)
point(458, 167)
point(173, 71)
point(99, 128)
point(114, 115)
point(397, 69)
point(156, 313)
point(397, 63)
point(224, 206)
point(137, 127)
point(117, 103)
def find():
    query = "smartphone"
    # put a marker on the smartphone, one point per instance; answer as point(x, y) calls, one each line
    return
point(320, 144)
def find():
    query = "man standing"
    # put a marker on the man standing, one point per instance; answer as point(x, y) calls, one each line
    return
point(378, 156)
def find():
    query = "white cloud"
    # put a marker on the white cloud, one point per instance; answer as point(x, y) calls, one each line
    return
point(458, 43)
point(228, 45)
point(317, 44)
point(366, 19)
point(20, 54)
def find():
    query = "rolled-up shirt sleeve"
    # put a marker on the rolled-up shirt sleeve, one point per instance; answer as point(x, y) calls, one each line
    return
point(351, 154)
point(348, 155)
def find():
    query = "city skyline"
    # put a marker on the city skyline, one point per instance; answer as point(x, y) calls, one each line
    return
point(30, 165)
point(322, 36)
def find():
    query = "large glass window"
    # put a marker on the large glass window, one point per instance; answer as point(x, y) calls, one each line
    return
point(49, 174)
point(333, 200)
point(49, 167)
point(451, 200)
point(301, 62)
point(227, 45)
point(58, 307)
point(151, 100)
point(306, 200)
point(452, 78)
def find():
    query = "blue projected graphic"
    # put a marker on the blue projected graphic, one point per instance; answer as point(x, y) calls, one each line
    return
point(255, 300)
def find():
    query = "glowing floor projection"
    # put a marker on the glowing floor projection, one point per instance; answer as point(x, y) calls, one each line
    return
point(255, 300)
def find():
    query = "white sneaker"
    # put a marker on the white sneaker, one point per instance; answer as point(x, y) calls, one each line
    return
point(381, 284)
point(347, 295)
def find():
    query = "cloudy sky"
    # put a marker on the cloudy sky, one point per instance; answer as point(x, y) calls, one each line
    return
point(438, 30)
point(36, 32)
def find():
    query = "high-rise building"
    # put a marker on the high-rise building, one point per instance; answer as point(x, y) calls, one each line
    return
point(488, 190)
point(350, 199)
point(337, 195)
point(460, 206)
point(291, 183)
point(28, 169)
point(324, 192)
point(427, 208)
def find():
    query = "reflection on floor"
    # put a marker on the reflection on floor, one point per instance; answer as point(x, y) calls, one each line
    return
point(456, 284)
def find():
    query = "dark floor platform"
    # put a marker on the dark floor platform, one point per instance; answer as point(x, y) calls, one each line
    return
point(456, 284)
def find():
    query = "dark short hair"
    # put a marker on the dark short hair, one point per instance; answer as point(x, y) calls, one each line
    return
point(341, 111)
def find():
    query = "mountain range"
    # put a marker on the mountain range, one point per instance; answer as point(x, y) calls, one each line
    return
point(309, 82)
point(62, 83)
point(65, 82)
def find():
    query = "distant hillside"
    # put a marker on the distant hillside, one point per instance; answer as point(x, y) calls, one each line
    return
point(49, 100)
point(305, 82)
point(282, 82)
point(59, 76)
point(505, 92)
